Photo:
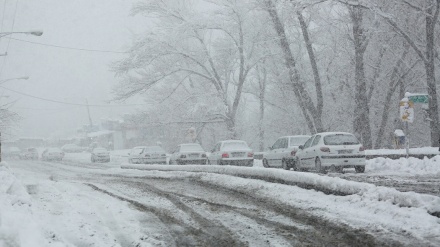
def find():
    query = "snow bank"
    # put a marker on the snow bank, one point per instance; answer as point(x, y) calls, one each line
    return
point(17, 228)
point(410, 166)
point(328, 185)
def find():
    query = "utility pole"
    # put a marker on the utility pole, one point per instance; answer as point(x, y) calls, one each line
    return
point(88, 112)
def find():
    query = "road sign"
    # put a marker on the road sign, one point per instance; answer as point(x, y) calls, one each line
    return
point(421, 98)
point(406, 110)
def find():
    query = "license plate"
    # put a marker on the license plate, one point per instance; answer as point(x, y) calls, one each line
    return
point(346, 151)
point(237, 154)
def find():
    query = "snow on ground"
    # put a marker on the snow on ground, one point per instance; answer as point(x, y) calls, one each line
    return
point(56, 213)
point(48, 212)
point(403, 166)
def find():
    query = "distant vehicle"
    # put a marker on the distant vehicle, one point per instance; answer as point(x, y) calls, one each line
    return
point(189, 153)
point(52, 154)
point(232, 152)
point(282, 152)
point(11, 153)
point(331, 151)
point(72, 148)
point(134, 157)
point(100, 154)
point(154, 155)
point(29, 154)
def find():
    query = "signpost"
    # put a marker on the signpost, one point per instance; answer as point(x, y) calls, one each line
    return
point(419, 98)
point(406, 106)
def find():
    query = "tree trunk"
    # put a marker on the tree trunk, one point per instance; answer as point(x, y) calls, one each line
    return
point(361, 122)
point(320, 99)
point(305, 102)
point(431, 18)
point(387, 103)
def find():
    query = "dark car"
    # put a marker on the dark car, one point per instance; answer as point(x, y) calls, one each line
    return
point(29, 154)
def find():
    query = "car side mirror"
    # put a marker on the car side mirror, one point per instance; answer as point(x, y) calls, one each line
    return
point(270, 148)
point(301, 147)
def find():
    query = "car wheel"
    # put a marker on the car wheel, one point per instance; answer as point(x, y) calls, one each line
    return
point(265, 163)
point(318, 165)
point(285, 165)
point(360, 169)
point(250, 163)
point(294, 167)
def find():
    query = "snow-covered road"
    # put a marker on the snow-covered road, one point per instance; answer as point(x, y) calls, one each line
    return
point(76, 203)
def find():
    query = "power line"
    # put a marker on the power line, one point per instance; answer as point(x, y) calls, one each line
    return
point(68, 48)
point(65, 103)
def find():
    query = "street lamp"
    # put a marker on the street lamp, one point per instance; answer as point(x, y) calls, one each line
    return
point(34, 32)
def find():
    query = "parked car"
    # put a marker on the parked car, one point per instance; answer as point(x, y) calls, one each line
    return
point(232, 152)
point(154, 155)
point(11, 153)
point(189, 153)
point(100, 154)
point(331, 151)
point(134, 157)
point(29, 154)
point(282, 152)
point(52, 154)
point(72, 148)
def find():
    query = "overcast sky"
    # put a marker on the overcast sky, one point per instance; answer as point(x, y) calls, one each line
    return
point(61, 74)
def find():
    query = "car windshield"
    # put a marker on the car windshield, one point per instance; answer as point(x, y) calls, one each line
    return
point(235, 145)
point(100, 150)
point(32, 149)
point(340, 139)
point(53, 150)
point(298, 140)
point(154, 149)
point(191, 148)
point(137, 150)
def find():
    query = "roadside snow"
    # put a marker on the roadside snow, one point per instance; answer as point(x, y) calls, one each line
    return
point(17, 224)
point(410, 166)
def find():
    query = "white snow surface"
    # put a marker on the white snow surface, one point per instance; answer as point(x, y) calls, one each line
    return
point(65, 213)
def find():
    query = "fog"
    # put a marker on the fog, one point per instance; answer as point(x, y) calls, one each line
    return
point(60, 74)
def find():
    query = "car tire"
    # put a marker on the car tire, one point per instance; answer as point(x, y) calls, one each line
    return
point(250, 163)
point(359, 169)
point(318, 166)
point(265, 163)
point(285, 165)
point(294, 167)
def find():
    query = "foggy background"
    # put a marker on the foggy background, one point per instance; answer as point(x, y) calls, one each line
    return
point(61, 74)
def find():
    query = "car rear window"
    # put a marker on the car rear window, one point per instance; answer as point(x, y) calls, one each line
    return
point(340, 139)
point(235, 145)
point(297, 141)
point(191, 148)
point(137, 150)
point(154, 149)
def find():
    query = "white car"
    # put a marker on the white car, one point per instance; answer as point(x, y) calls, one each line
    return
point(282, 153)
point(154, 155)
point(331, 151)
point(52, 154)
point(100, 154)
point(232, 152)
point(189, 153)
point(134, 157)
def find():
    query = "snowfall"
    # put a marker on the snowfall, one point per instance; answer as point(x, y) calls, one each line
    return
point(46, 211)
